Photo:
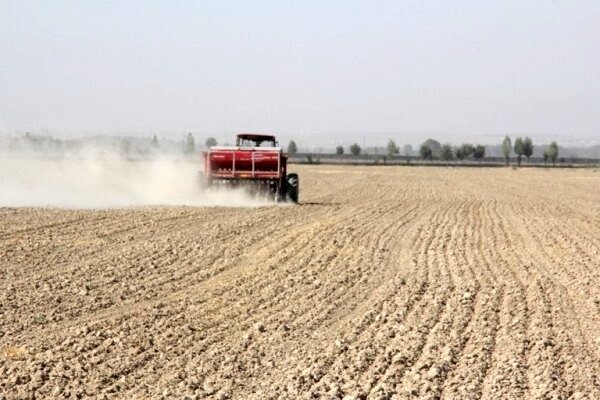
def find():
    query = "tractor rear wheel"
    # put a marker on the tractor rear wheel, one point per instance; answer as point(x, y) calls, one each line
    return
point(293, 187)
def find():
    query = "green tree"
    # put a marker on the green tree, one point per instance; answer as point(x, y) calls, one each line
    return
point(446, 153)
point(435, 147)
point(339, 150)
point(527, 148)
point(459, 153)
point(506, 148)
point(479, 152)
point(355, 149)
point(467, 150)
point(425, 152)
point(546, 156)
point(553, 152)
point(189, 144)
point(392, 148)
point(292, 148)
point(210, 142)
point(154, 143)
point(519, 149)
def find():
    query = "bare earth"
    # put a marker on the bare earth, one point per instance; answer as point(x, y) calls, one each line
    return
point(386, 282)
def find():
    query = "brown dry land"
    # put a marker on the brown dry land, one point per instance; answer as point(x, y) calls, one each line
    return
point(386, 282)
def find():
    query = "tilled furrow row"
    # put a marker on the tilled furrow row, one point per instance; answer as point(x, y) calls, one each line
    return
point(362, 361)
point(506, 378)
point(466, 380)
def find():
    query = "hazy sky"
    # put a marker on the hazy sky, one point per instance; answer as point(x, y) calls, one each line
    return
point(302, 68)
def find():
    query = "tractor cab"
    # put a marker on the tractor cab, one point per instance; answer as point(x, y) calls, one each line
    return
point(255, 140)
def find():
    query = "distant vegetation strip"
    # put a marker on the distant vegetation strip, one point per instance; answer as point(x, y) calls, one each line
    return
point(432, 152)
point(374, 159)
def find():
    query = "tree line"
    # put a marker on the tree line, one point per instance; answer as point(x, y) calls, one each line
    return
point(524, 147)
point(446, 152)
point(355, 149)
point(431, 149)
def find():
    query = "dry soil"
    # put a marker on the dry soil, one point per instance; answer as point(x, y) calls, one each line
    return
point(385, 282)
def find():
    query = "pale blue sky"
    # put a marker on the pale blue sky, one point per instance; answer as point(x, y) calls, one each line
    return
point(451, 69)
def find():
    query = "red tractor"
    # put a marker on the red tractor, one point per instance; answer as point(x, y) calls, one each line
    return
point(255, 162)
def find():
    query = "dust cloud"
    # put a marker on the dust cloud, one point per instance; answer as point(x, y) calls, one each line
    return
point(109, 181)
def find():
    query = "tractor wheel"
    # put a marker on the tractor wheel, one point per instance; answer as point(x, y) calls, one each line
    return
point(293, 187)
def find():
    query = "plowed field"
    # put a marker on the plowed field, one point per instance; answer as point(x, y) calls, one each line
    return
point(386, 282)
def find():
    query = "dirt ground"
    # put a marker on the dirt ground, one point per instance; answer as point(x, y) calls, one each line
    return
point(385, 282)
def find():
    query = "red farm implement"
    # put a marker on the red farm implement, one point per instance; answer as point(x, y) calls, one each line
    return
point(256, 162)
